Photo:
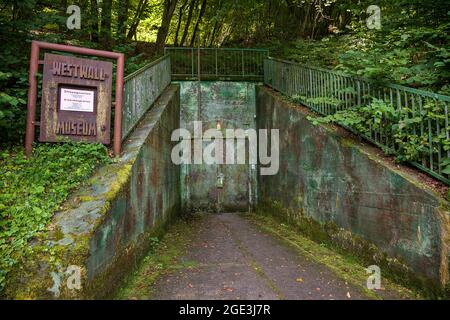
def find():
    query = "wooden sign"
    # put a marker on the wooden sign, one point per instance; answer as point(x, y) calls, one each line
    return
point(76, 99)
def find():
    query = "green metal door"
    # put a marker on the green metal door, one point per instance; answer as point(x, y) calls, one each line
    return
point(218, 187)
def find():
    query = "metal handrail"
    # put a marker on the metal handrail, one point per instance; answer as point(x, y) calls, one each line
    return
point(327, 92)
point(217, 63)
point(141, 89)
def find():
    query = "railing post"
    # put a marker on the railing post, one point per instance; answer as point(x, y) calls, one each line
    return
point(234, 62)
point(217, 65)
point(243, 66)
point(32, 94)
point(312, 82)
point(192, 62)
point(118, 109)
point(358, 84)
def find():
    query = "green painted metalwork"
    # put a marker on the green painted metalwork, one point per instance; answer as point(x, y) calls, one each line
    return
point(141, 89)
point(218, 63)
point(327, 92)
point(233, 106)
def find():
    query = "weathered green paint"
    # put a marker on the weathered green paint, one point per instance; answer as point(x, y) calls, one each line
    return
point(223, 64)
point(106, 226)
point(233, 105)
point(326, 180)
point(327, 92)
point(141, 89)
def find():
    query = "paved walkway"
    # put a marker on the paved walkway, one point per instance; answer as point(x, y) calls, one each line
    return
point(234, 260)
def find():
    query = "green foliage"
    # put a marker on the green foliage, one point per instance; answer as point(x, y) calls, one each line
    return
point(322, 53)
point(33, 189)
point(26, 20)
point(418, 57)
point(403, 127)
point(415, 57)
point(410, 49)
point(13, 100)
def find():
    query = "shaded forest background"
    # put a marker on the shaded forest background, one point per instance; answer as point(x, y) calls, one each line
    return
point(411, 48)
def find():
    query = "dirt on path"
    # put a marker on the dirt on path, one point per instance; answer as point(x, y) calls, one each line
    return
point(229, 258)
point(235, 257)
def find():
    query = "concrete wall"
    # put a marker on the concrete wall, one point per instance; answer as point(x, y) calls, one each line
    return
point(337, 190)
point(107, 225)
point(233, 105)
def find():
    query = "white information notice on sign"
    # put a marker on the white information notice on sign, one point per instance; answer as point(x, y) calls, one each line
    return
point(77, 100)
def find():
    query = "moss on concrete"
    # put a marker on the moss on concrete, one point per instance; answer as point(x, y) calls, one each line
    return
point(345, 266)
point(162, 257)
point(338, 191)
point(344, 242)
point(90, 213)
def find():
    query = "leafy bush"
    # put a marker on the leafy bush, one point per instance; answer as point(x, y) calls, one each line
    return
point(409, 142)
point(410, 49)
point(415, 57)
point(31, 190)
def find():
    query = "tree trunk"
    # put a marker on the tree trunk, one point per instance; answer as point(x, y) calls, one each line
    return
point(180, 18)
point(105, 30)
point(122, 17)
point(213, 35)
point(169, 9)
point(93, 23)
point(188, 21)
point(306, 20)
point(63, 12)
point(197, 24)
point(216, 25)
point(137, 18)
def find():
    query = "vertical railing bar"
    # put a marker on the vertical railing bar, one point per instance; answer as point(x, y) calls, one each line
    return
point(384, 118)
point(447, 133)
point(438, 129)
point(319, 89)
point(310, 91)
point(430, 142)
point(422, 128)
point(192, 63)
point(314, 97)
point(346, 93)
point(332, 90)
point(406, 106)
point(413, 108)
point(323, 94)
point(243, 66)
point(359, 92)
point(383, 134)
point(331, 84)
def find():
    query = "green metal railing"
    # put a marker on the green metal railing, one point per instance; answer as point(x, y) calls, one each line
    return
point(141, 89)
point(420, 117)
point(217, 63)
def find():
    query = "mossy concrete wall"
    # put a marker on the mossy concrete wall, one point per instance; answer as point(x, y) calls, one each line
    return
point(107, 226)
point(330, 183)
